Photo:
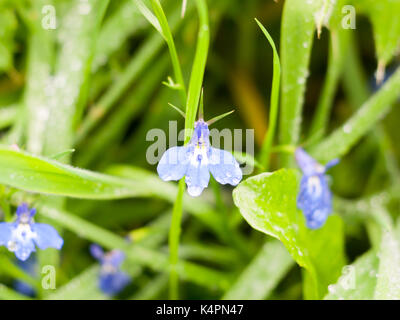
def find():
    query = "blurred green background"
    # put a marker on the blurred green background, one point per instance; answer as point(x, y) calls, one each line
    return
point(94, 84)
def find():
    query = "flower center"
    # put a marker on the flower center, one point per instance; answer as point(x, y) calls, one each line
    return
point(314, 186)
point(21, 234)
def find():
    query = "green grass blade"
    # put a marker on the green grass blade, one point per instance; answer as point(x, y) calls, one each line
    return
point(166, 32)
point(262, 274)
point(274, 104)
point(297, 34)
point(342, 139)
point(148, 15)
point(199, 65)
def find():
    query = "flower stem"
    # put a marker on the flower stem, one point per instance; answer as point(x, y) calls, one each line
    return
point(193, 97)
point(173, 240)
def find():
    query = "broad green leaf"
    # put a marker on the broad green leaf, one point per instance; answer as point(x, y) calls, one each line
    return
point(268, 203)
point(41, 175)
point(262, 274)
point(37, 174)
point(357, 281)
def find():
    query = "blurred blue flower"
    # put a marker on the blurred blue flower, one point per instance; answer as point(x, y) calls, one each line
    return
point(21, 235)
point(30, 267)
point(315, 197)
point(112, 280)
point(197, 160)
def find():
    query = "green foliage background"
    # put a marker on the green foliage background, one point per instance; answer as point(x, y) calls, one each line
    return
point(77, 102)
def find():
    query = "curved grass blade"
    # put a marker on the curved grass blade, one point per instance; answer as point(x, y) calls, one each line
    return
point(274, 104)
point(262, 274)
point(342, 139)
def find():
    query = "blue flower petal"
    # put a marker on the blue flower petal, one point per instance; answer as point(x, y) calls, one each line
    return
point(306, 163)
point(24, 249)
point(197, 177)
point(116, 257)
point(331, 164)
point(113, 283)
point(5, 233)
point(22, 208)
point(174, 163)
point(315, 200)
point(224, 167)
point(47, 236)
point(96, 251)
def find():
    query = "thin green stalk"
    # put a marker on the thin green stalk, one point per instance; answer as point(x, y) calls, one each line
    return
point(173, 241)
point(148, 14)
point(199, 65)
point(193, 96)
point(335, 62)
point(355, 82)
point(166, 33)
point(274, 103)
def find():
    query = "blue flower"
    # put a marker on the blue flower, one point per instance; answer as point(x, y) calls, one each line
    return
point(112, 280)
point(197, 160)
point(315, 197)
point(21, 235)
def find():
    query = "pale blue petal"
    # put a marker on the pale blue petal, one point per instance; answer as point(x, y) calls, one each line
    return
point(24, 249)
point(47, 236)
point(224, 167)
point(306, 163)
point(332, 163)
point(113, 283)
point(96, 251)
point(5, 233)
point(22, 208)
point(197, 178)
point(116, 257)
point(174, 163)
point(315, 200)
